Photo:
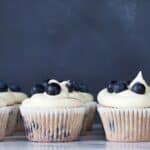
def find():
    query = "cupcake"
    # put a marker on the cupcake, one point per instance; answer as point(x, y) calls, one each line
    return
point(80, 91)
point(125, 110)
point(8, 100)
point(50, 115)
point(14, 96)
point(19, 97)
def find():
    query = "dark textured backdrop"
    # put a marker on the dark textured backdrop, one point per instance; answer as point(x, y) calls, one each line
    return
point(87, 40)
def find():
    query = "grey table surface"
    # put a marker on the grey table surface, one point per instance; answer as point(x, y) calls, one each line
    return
point(94, 140)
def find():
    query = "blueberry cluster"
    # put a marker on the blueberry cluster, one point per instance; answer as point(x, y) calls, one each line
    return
point(55, 89)
point(119, 86)
point(116, 86)
point(51, 89)
point(13, 87)
point(75, 86)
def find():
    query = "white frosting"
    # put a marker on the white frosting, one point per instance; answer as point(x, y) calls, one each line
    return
point(19, 97)
point(62, 100)
point(11, 98)
point(82, 96)
point(53, 81)
point(6, 98)
point(45, 100)
point(127, 98)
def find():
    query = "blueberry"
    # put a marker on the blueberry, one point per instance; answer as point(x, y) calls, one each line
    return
point(3, 86)
point(110, 86)
point(119, 86)
point(15, 88)
point(138, 88)
point(70, 88)
point(128, 82)
point(116, 86)
point(83, 88)
point(73, 86)
point(53, 89)
point(37, 88)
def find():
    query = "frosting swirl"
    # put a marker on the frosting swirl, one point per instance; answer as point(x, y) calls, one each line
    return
point(126, 98)
point(84, 97)
point(45, 100)
point(7, 98)
point(19, 97)
point(10, 98)
point(61, 100)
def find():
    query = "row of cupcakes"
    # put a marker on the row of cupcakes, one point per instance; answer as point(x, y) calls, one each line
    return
point(59, 111)
point(55, 111)
point(11, 97)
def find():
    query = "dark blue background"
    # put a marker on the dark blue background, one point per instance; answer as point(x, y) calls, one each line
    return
point(86, 40)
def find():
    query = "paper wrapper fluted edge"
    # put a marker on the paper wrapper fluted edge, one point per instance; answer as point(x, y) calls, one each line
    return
point(89, 116)
point(52, 125)
point(19, 126)
point(126, 125)
point(4, 114)
point(12, 120)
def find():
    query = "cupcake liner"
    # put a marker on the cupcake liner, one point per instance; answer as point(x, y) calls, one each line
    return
point(12, 120)
point(126, 125)
point(20, 126)
point(89, 116)
point(4, 114)
point(52, 125)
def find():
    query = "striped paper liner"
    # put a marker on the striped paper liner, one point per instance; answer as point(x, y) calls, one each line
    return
point(19, 126)
point(52, 125)
point(89, 116)
point(126, 125)
point(4, 114)
point(12, 120)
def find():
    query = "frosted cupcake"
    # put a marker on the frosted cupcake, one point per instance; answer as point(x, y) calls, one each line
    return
point(8, 101)
point(80, 91)
point(125, 110)
point(13, 96)
point(19, 96)
point(50, 116)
